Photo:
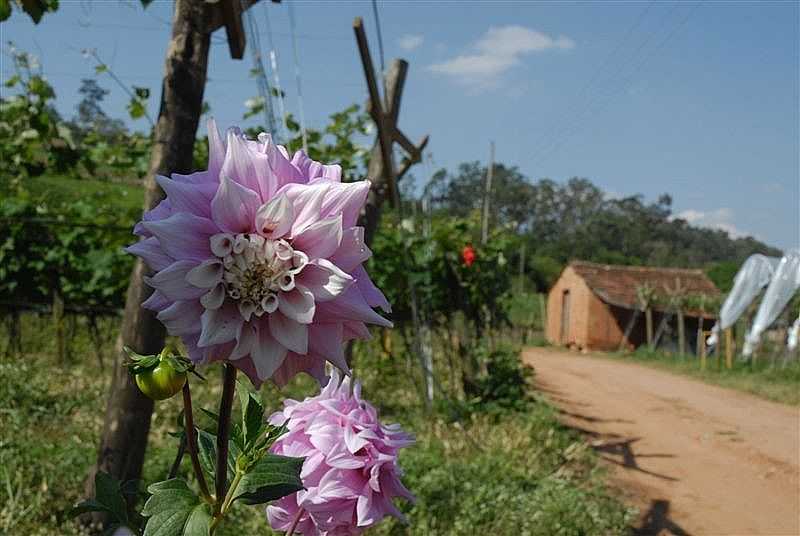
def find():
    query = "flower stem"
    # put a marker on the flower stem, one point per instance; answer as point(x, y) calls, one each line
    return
point(295, 521)
point(173, 471)
point(231, 492)
point(191, 442)
point(223, 434)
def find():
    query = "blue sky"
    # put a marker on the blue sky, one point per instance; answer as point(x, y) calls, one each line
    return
point(699, 100)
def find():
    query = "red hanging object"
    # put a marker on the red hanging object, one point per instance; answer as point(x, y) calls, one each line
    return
point(468, 255)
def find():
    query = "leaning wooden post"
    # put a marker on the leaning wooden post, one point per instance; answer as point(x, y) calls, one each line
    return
point(128, 411)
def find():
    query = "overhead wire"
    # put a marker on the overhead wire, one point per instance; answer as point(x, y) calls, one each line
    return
point(609, 96)
point(594, 78)
point(604, 98)
point(262, 83)
point(273, 58)
point(300, 108)
point(380, 37)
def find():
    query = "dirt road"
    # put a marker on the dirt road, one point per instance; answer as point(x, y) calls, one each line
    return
point(694, 458)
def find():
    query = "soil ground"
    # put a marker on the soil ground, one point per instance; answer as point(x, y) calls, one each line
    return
point(694, 458)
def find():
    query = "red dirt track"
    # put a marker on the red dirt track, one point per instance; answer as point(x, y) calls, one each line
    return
point(694, 458)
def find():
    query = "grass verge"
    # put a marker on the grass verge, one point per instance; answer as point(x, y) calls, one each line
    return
point(501, 472)
point(772, 380)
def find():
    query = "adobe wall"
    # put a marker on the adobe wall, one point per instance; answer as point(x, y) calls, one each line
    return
point(580, 303)
point(604, 332)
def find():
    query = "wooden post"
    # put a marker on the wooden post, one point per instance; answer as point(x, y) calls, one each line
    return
point(128, 411)
point(681, 331)
point(648, 317)
point(384, 113)
point(701, 348)
point(623, 344)
point(58, 325)
point(729, 348)
point(522, 267)
point(700, 322)
point(543, 312)
point(487, 196)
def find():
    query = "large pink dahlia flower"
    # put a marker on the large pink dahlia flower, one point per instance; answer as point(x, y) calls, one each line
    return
point(350, 473)
point(258, 260)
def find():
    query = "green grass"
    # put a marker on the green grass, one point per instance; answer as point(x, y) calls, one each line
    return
point(57, 189)
point(499, 473)
point(765, 378)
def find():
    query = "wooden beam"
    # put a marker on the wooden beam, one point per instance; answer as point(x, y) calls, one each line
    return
point(232, 15)
point(376, 110)
point(412, 158)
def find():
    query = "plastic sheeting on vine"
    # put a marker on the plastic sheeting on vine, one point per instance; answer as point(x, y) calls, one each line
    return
point(755, 274)
point(785, 282)
point(794, 335)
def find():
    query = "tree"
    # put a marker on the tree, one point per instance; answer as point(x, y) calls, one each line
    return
point(462, 193)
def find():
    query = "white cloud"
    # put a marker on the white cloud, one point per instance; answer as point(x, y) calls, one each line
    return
point(721, 218)
point(497, 51)
point(410, 41)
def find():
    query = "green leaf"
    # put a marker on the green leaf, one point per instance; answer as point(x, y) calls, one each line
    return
point(272, 477)
point(252, 415)
point(108, 498)
point(5, 11)
point(175, 510)
point(207, 453)
point(99, 69)
point(135, 109)
point(142, 93)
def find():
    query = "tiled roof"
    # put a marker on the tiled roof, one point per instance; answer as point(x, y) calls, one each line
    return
point(617, 285)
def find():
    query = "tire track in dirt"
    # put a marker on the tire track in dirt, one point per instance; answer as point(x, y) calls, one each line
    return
point(694, 458)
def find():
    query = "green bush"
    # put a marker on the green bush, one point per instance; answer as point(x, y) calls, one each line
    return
point(520, 475)
point(505, 383)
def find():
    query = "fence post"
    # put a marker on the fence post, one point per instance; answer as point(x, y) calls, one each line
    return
point(701, 347)
point(543, 311)
point(58, 324)
point(729, 348)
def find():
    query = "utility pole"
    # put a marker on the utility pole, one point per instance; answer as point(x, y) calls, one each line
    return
point(127, 420)
point(487, 195)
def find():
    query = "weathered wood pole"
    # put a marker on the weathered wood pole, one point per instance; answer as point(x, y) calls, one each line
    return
point(729, 348)
point(127, 421)
point(648, 318)
point(681, 331)
point(701, 348)
point(487, 196)
point(58, 324)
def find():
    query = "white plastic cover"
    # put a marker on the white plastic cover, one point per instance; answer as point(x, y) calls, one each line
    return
point(755, 274)
point(784, 284)
point(794, 334)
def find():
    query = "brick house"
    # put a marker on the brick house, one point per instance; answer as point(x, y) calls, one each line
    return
point(591, 306)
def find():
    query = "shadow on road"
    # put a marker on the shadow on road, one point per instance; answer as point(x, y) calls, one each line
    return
point(656, 522)
point(621, 453)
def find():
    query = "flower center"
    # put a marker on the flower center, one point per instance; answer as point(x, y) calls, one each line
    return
point(256, 270)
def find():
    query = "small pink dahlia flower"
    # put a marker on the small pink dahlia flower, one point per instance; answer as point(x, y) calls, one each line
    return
point(258, 260)
point(350, 473)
